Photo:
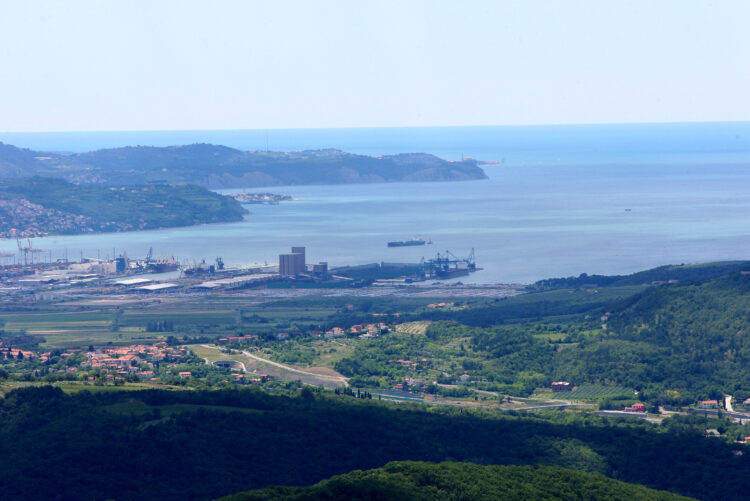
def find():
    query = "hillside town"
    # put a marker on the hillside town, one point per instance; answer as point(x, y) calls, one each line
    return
point(156, 363)
point(20, 218)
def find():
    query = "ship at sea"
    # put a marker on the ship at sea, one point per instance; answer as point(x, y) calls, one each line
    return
point(408, 243)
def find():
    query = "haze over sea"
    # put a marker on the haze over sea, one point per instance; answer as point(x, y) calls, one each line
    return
point(566, 199)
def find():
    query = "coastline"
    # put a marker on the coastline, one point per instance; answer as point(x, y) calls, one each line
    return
point(145, 230)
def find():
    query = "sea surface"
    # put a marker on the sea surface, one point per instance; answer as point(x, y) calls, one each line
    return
point(564, 200)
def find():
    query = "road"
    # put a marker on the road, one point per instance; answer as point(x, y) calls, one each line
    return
point(208, 362)
point(324, 379)
point(728, 403)
point(340, 379)
point(741, 416)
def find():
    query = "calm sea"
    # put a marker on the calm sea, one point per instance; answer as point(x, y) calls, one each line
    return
point(565, 200)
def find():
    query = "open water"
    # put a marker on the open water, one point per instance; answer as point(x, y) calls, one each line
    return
point(567, 199)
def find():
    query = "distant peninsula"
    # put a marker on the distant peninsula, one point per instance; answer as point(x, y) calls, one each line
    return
point(41, 206)
point(216, 167)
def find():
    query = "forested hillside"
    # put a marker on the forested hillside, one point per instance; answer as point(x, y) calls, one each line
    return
point(691, 338)
point(674, 344)
point(682, 272)
point(201, 445)
point(414, 481)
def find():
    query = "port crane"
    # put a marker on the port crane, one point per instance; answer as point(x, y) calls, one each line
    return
point(34, 251)
point(5, 255)
point(446, 264)
point(26, 250)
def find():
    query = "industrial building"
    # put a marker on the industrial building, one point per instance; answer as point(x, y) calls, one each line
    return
point(292, 264)
point(320, 270)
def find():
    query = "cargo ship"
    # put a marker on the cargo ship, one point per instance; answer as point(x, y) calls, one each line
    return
point(163, 266)
point(203, 268)
point(408, 243)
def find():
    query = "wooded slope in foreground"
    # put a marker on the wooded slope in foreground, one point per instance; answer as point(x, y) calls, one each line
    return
point(202, 445)
point(417, 481)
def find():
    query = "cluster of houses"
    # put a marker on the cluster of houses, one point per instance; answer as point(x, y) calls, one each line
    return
point(410, 384)
point(363, 331)
point(439, 306)
point(21, 218)
point(15, 353)
point(118, 363)
point(240, 378)
point(236, 339)
point(408, 364)
point(138, 360)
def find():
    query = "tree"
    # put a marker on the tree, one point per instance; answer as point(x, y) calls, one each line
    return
point(306, 394)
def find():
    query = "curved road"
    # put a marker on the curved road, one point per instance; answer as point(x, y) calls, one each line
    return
point(340, 379)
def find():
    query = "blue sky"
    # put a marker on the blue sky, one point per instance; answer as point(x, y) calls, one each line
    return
point(164, 65)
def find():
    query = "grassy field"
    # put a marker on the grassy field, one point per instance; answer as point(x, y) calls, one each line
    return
point(192, 318)
point(128, 324)
point(586, 392)
point(418, 328)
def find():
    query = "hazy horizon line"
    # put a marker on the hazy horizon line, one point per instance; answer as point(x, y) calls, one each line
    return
point(365, 127)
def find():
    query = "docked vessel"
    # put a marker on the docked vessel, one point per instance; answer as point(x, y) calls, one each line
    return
point(447, 265)
point(203, 268)
point(163, 265)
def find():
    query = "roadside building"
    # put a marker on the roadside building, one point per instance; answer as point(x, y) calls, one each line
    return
point(708, 404)
point(561, 386)
point(636, 407)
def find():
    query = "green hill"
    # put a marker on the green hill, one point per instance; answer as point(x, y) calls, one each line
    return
point(693, 338)
point(41, 205)
point(416, 481)
point(674, 343)
point(681, 272)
